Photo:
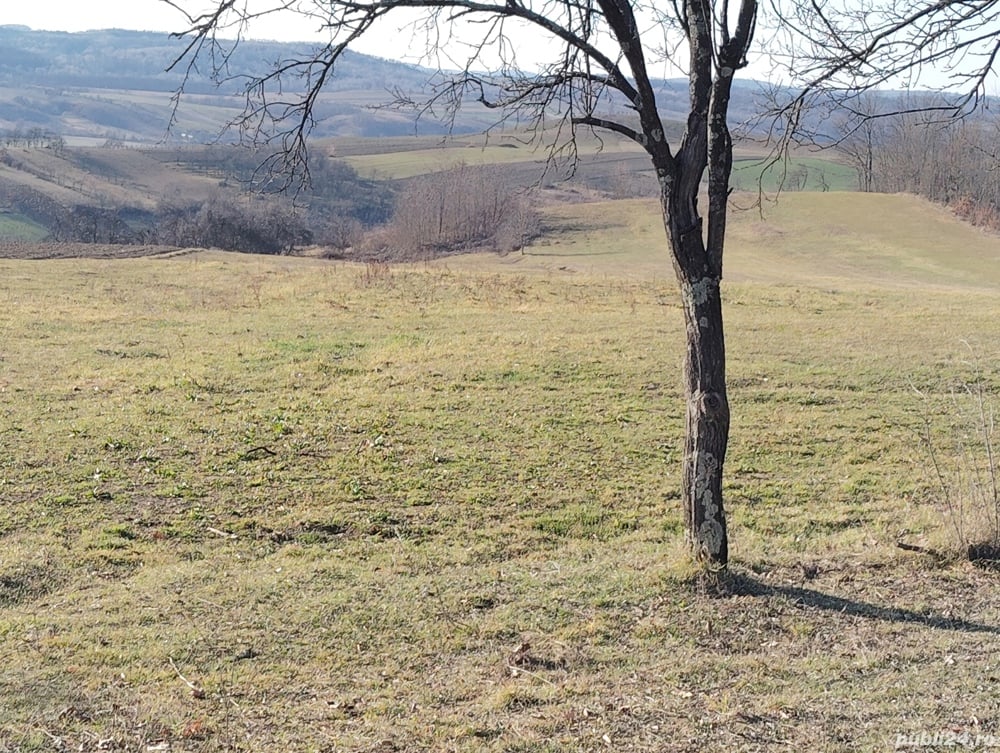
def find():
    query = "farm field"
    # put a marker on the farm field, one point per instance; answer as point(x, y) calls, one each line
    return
point(18, 227)
point(260, 503)
point(400, 158)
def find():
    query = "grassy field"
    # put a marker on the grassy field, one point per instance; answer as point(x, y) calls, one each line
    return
point(276, 504)
point(397, 158)
point(17, 227)
point(799, 173)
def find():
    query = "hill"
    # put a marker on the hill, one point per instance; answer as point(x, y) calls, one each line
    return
point(91, 86)
point(95, 85)
point(825, 240)
point(143, 196)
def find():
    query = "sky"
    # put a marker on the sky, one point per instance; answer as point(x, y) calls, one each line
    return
point(155, 15)
point(392, 42)
point(141, 15)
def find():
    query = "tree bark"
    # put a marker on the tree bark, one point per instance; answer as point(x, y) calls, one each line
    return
point(706, 434)
point(707, 422)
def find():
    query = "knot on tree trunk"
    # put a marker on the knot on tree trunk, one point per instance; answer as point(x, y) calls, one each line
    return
point(709, 404)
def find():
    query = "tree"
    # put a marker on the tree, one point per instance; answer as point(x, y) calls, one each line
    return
point(835, 52)
point(600, 56)
point(470, 205)
point(860, 134)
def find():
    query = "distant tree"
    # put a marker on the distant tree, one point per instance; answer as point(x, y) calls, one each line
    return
point(860, 131)
point(226, 221)
point(954, 163)
point(599, 53)
point(94, 224)
point(335, 231)
point(836, 52)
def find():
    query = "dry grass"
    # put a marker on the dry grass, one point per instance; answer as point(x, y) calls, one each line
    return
point(267, 504)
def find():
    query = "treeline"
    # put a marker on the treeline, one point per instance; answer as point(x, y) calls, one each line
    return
point(949, 161)
point(31, 138)
point(469, 207)
point(226, 221)
point(335, 188)
point(953, 164)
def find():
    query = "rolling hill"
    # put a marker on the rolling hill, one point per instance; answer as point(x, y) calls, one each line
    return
point(91, 86)
point(825, 240)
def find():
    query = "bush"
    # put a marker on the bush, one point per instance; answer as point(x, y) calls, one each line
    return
point(967, 475)
point(89, 224)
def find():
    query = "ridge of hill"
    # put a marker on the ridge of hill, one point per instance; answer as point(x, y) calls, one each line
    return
point(115, 84)
point(88, 87)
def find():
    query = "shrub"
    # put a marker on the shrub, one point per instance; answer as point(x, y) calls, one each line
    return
point(967, 473)
point(252, 225)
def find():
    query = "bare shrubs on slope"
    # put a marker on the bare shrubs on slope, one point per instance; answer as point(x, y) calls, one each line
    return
point(953, 165)
point(251, 225)
point(467, 208)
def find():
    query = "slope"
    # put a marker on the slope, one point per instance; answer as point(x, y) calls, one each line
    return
point(829, 238)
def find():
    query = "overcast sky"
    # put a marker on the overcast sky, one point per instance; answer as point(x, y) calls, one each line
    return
point(143, 15)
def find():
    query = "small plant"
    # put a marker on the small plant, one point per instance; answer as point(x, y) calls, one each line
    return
point(376, 273)
point(968, 480)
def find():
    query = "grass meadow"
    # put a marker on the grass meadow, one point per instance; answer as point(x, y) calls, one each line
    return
point(263, 504)
point(19, 228)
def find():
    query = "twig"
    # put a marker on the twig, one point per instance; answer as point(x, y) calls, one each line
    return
point(223, 534)
point(262, 448)
point(196, 690)
point(921, 549)
point(515, 671)
point(57, 741)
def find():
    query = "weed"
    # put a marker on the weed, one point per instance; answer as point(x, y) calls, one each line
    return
point(967, 477)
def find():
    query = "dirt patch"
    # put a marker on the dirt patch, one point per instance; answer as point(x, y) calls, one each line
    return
point(16, 250)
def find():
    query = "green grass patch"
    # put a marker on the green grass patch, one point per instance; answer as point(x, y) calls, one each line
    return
point(397, 158)
point(793, 174)
point(17, 227)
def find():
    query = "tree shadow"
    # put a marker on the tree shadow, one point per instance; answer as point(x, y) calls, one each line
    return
point(739, 584)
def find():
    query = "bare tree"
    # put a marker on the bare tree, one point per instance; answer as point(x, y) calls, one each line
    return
point(956, 164)
point(859, 133)
point(835, 52)
point(457, 209)
point(599, 55)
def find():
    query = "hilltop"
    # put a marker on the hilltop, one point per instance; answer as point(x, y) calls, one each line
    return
point(115, 84)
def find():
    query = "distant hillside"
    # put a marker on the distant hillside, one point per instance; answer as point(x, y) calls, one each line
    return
point(150, 195)
point(92, 86)
point(115, 84)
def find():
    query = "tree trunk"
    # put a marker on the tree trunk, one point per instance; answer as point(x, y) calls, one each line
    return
point(706, 431)
point(706, 434)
